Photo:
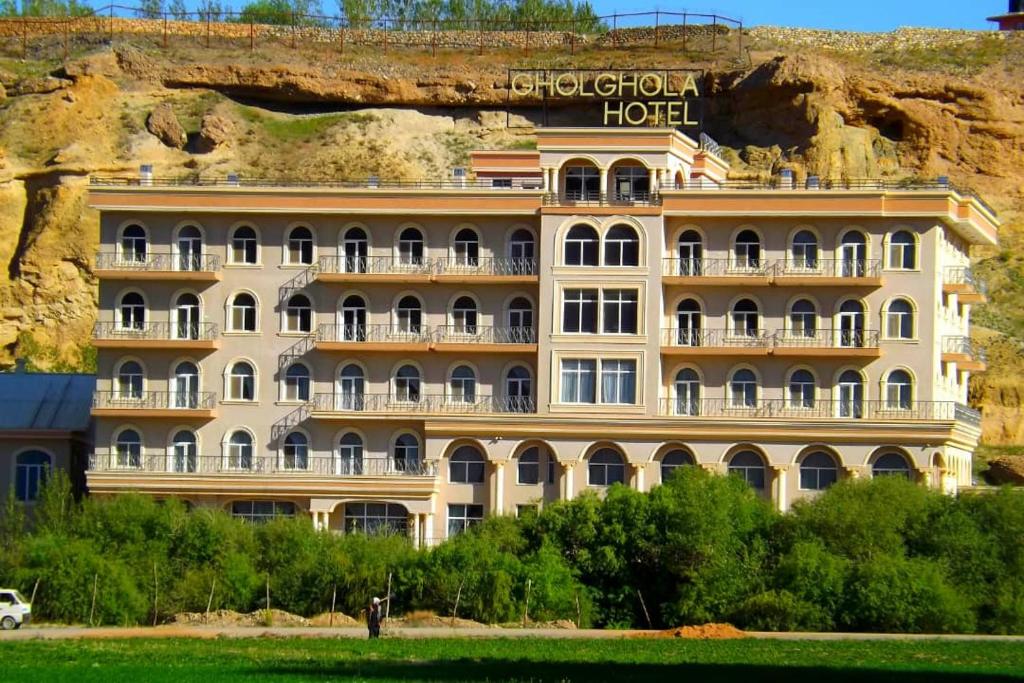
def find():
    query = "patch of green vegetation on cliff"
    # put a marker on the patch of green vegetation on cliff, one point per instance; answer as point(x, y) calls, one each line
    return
point(967, 59)
point(300, 128)
point(41, 357)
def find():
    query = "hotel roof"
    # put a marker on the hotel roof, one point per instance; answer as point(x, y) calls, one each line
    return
point(31, 401)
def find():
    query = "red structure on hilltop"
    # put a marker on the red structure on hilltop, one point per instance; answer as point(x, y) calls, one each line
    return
point(1013, 20)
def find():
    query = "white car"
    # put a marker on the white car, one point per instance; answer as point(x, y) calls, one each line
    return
point(15, 610)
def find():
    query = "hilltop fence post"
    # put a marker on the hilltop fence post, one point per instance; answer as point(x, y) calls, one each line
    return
point(293, 29)
point(385, 35)
point(433, 40)
point(684, 31)
point(657, 27)
point(480, 29)
point(111, 24)
point(714, 33)
point(739, 52)
point(527, 39)
point(208, 18)
point(24, 38)
point(572, 37)
point(341, 34)
point(165, 29)
point(65, 22)
point(615, 29)
point(252, 36)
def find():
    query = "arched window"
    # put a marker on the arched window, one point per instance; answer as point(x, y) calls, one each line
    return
point(184, 456)
point(351, 385)
point(296, 383)
point(129, 380)
point(687, 387)
point(581, 246)
point(899, 390)
point(688, 322)
point(355, 251)
point(410, 247)
point(631, 183)
point(128, 447)
point(899, 320)
point(353, 318)
point(187, 320)
point(462, 385)
point(606, 467)
point(244, 246)
point(747, 251)
point(185, 385)
point(522, 252)
point(528, 466)
point(466, 248)
point(300, 246)
point(296, 452)
point(133, 312)
point(31, 468)
point(464, 315)
point(902, 251)
point(621, 247)
point(749, 466)
point(891, 464)
point(804, 251)
point(190, 249)
point(851, 324)
point(298, 314)
point(406, 456)
point(410, 315)
point(466, 466)
point(690, 248)
point(241, 382)
point(745, 319)
point(818, 471)
point(851, 394)
point(243, 313)
point(133, 245)
point(802, 389)
point(240, 451)
point(518, 390)
point(350, 454)
point(407, 384)
point(853, 254)
point(672, 461)
point(803, 319)
point(520, 317)
point(743, 389)
point(582, 183)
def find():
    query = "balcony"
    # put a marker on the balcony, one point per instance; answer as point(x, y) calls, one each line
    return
point(480, 270)
point(159, 335)
point(446, 338)
point(962, 282)
point(827, 344)
point(781, 408)
point(597, 199)
point(173, 267)
point(961, 350)
point(324, 466)
point(374, 405)
point(681, 342)
point(727, 272)
point(154, 404)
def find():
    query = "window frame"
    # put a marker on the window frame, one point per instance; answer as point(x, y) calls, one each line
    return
point(256, 245)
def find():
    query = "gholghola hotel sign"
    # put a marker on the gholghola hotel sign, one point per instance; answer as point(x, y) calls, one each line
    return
point(621, 97)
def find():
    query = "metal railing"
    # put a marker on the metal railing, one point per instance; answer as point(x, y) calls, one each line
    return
point(824, 409)
point(715, 338)
point(328, 466)
point(730, 267)
point(418, 404)
point(825, 339)
point(376, 265)
point(963, 275)
point(484, 334)
point(963, 345)
point(166, 331)
point(368, 183)
point(714, 267)
point(155, 400)
point(331, 332)
point(176, 263)
point(827, 267)
point(598, 199)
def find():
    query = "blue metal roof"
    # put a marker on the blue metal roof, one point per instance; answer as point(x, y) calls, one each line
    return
point(39, 400)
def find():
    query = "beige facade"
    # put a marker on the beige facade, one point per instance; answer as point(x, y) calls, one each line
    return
point(600, 310)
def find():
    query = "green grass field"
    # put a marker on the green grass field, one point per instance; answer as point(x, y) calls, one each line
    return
point(299, 659)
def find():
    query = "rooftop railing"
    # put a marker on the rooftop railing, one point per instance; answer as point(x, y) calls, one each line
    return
point(183, 263)
point(278, 464)
point(155, 400)
point(163, 331)
point(421, 403)
point(815, 409)
point(377, 265)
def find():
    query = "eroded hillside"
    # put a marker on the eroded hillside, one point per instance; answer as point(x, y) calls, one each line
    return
point(284, 116)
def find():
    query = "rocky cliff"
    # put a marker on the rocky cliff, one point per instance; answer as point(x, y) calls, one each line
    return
point(200, 113)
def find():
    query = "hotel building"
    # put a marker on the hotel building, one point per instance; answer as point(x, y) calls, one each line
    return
point(603, 309)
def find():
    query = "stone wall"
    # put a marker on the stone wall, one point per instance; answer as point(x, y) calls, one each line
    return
point(851, 41)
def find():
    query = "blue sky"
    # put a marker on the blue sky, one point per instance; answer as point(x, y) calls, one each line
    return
point(852, 15)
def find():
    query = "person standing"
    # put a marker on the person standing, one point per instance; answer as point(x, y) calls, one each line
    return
point(373, 618)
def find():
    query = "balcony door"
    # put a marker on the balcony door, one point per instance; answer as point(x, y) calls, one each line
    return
point(355, 251)
point(851, 324)
point(351, 388)
point(190, 249)
point(186, 317)
point(691, 253)
point(185, 385)
point(851, 395)
point(353, 319)
point(853, 255)
point(518, 390)
point(183, 454)
point(688, 323)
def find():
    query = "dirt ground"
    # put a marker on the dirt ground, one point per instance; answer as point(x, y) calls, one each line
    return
point(701, 632)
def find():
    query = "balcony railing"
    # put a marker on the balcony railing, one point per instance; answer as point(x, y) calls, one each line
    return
point(155, 400)
point(714, 267)
point(484, 334)
point(587, 198)
point(826, 339)
point(962, 275)
point(373, 333)
point(378, 265)
point(964, 346)
point(418, 403)
point(328, 466)
point(179, 263)
point(827, 268)
point(163, 331)
point(730, 267)
point(827, 409)
point(715, 338)
point(819, 339)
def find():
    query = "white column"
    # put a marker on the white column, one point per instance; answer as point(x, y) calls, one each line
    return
point(498, 502)
point(316, 519)
point(545, 179)
point(415, 528)
point(604, 183)
point(567, 483)
point(555, 184)
point(325, 520)
point(779, 492)
point(638, 476)
point(428, 529)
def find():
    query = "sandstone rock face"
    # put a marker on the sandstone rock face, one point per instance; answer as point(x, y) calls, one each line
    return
point(1008, 469)
point(214, 131)
point(39, 86)
point(164, 124)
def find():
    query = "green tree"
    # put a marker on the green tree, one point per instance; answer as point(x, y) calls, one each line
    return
point(150, 9)
point(56, 508)
point(178, 10)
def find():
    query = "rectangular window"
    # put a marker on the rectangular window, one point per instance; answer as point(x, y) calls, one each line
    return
point(503, 183)
point(461, 517)
point(618, 381)
point(620, 311)
point(579, 381)
point(579, 311)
